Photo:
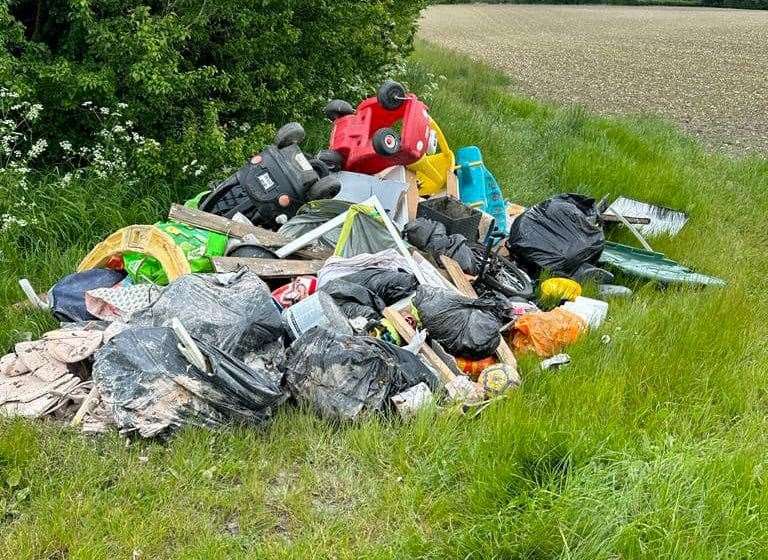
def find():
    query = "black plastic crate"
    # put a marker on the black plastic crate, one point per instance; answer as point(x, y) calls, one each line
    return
point(455, 216)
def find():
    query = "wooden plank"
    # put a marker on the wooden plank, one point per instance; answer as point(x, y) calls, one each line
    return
point(268, 268)
point(405, 330)
point(503, 352)
point(212, 222)
point(265, 237)
point(412, 195)
point(612, 218)
point(452, 185)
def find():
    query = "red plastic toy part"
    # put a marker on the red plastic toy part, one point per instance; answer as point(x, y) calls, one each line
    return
point(367, 142)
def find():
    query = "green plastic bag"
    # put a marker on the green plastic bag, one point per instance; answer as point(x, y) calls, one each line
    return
point(198, 245)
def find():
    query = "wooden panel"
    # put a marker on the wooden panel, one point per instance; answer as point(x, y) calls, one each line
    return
point(268, 268)
point(212, 222)
point(265, 237)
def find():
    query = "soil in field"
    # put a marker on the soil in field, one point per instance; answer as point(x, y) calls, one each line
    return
point(705, 68)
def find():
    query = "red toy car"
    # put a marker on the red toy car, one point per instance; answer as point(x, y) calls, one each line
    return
point(365, 141)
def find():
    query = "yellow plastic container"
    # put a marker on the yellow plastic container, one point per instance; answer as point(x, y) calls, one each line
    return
point(432, 170)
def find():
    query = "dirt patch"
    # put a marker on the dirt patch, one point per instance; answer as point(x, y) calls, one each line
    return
point(705, 68)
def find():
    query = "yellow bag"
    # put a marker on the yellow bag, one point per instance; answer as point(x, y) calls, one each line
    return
point(560, 288)
point(432, 170)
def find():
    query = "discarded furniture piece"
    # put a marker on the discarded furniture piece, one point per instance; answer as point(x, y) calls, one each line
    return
point(149, 240)
point(651, 265)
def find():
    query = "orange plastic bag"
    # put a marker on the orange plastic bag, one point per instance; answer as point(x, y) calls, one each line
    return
point(547, 333)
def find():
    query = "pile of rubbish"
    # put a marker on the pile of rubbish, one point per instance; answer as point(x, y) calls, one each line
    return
point(381, 275)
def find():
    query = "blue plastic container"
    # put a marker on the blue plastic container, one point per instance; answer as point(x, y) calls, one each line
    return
point(477, 186)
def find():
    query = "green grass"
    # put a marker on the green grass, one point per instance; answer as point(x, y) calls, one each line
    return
point(651, 446)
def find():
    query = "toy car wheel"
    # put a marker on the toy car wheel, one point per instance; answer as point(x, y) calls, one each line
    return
point(320, 167)
point(338, 108)
point(324, 188)
point(332, 158)
point(391, 95)
point(386, 142)
point(290, 133)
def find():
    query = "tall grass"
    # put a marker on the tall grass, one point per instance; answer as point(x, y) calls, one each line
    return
point(649, 445)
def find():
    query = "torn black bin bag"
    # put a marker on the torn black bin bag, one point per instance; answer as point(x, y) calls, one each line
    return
point(150, 388)
point(464, 326)
point(430, 236)
point(390, 285)
point(561, 235)
point(354, 300)
point(342, 376)
point(234, 312)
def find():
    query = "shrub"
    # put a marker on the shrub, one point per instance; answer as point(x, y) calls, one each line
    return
point(189, 65)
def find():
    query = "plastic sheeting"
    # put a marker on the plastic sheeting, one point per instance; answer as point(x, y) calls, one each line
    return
point(342, 376)
point(234, 312)
point(560, 235)
point(150, 388)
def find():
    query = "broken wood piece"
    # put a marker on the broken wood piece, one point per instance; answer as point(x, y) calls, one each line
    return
point(452, 185)
point(212, 222)
point(503, 352)
point(405, 330)
point(268, 268)
point(86, 406)
point(412, 195)
point(259, 235)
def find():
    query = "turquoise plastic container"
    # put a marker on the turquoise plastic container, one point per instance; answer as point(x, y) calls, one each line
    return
point(478, 187)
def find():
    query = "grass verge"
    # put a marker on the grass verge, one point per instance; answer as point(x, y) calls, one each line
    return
point(652, 445)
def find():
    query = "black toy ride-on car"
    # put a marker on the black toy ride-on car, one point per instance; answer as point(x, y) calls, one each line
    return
point(273, 185)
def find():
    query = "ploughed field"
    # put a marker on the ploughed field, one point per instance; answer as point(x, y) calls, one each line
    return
point(704, 68)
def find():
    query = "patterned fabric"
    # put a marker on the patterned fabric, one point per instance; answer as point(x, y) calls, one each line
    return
point(111, 304)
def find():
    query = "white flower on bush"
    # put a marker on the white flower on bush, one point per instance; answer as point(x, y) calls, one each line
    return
point(34, 112)
point(66, 145)
point(37, 148)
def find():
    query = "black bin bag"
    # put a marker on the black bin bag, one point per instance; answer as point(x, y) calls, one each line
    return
point(390, 285)
point(561, 235)
point(151, 389)
point(342, 376)
point(234, 312)
point(464, 326)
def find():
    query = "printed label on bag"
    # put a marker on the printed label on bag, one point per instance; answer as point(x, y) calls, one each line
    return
point(266, 181)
